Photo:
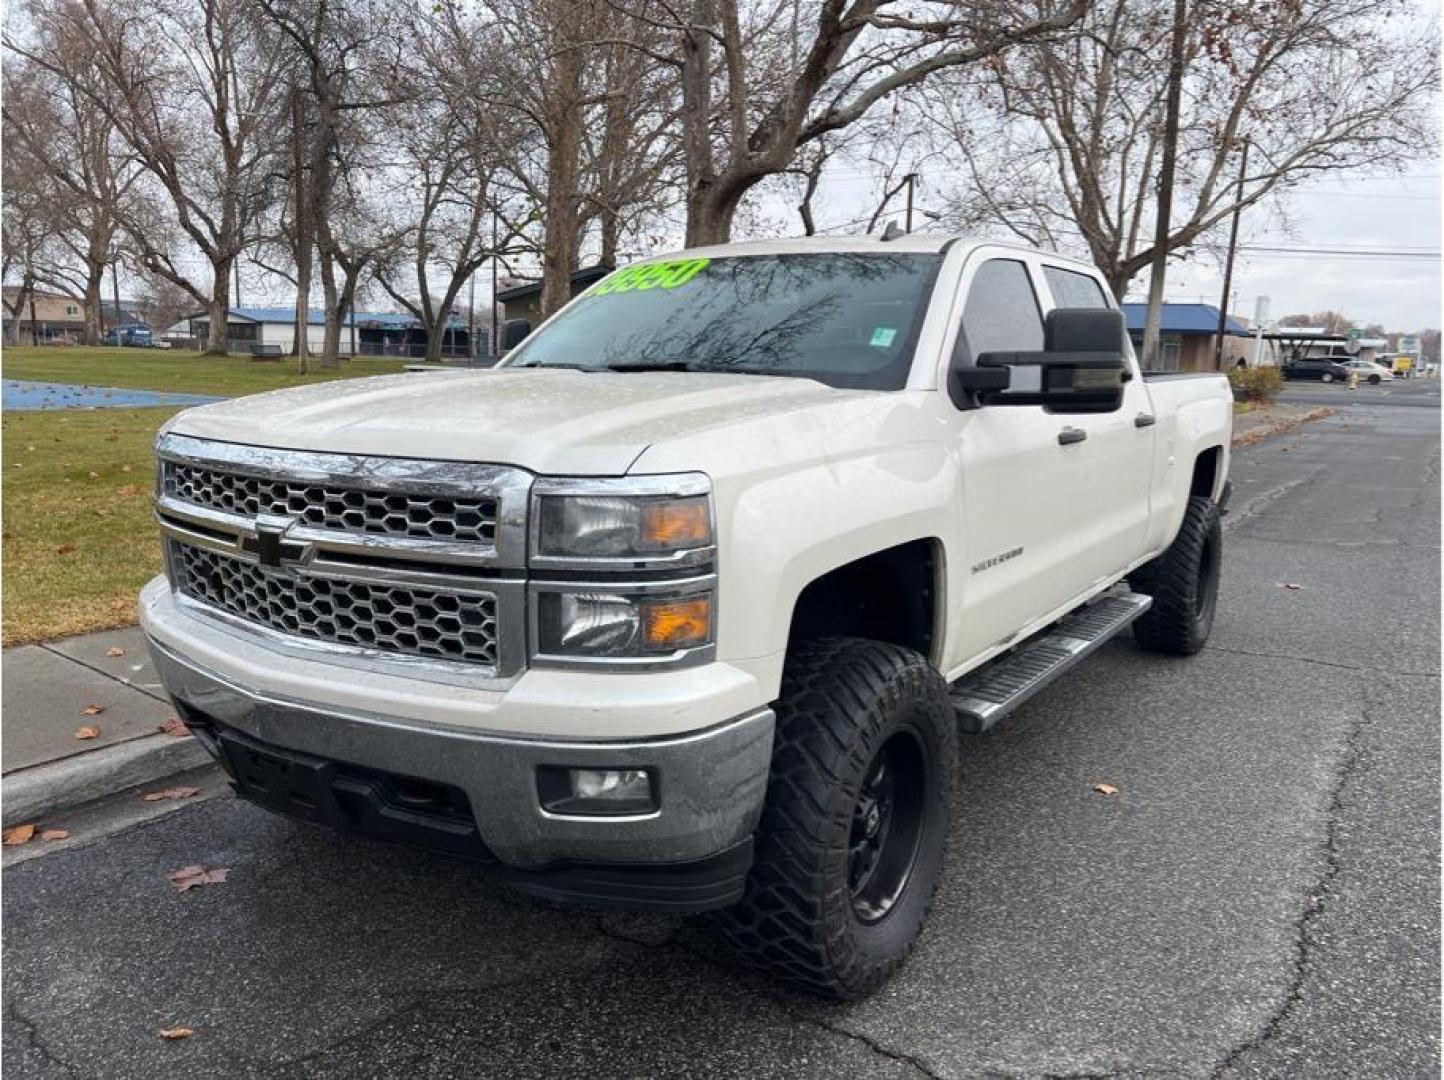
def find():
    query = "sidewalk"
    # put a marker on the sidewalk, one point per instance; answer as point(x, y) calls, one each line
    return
point(46, 691)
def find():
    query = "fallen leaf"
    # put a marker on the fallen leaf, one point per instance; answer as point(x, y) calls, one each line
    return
point(174, 726)
point(115, 650)
point(54, 834)
point(176, 1033)
point(1289, 585)
point(171, 793)
point(65, 549)
point(17, 835)
point(93, 710)
point(125, 468)
point(1105, 789)
point(188, 877)
point(89, 731)
point(94, 475)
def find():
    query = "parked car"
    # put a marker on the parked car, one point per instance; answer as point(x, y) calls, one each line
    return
point(134, 335)
point(1369, 371)
point(1316, 367)
point(681, 607)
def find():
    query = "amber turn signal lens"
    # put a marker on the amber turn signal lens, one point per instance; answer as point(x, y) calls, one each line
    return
point(676, 524)
point(677, 624)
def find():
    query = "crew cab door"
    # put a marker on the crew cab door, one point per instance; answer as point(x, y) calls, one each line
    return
point(1051, 503)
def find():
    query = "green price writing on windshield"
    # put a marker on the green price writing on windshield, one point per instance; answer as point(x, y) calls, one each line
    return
point(657, 275)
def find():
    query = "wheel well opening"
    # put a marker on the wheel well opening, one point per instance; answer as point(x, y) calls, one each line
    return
point(891, 596)
point(1205, 472)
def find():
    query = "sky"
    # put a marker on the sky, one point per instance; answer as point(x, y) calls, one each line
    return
point(1358, 212)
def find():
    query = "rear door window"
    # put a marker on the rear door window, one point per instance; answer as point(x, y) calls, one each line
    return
point(1002, 313)
point(1071, 289)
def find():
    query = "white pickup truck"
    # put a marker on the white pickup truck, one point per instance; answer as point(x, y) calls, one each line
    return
point(683, 605)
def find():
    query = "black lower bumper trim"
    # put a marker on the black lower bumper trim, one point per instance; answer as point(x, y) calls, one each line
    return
point(438, 817)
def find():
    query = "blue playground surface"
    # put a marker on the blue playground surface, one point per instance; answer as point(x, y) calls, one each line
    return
point(20, 395)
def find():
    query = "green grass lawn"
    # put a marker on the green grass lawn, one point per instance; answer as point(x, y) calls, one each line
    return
point(79, 538)
point(177, 372)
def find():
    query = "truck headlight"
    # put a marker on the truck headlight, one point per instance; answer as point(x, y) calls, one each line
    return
point(592, 624)
point(622, 523)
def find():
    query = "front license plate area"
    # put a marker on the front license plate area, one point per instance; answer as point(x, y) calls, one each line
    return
point(289, 783)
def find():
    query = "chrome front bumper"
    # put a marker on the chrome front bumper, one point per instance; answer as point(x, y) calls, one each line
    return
point(712, 781)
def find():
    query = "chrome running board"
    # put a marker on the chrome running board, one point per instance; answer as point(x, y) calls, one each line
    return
point(983, 697)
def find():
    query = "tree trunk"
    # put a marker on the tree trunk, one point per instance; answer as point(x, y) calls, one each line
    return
point(219, 308)
point(435, 333)
point(334, 312)
point(710, 213)
point(94, 278)
point(559, 247)
point(610, 229)
point(1154, 317)
point(27, 283)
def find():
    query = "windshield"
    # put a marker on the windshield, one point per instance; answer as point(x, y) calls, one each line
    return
point(845, 319)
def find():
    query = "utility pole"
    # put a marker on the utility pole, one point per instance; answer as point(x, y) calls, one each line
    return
point(1228, 263)
point(471, 316)
point(238, 282)
point(302, 229)
point(1154, 317)
point(495, 279)
point(115, 293)
point(910, 180)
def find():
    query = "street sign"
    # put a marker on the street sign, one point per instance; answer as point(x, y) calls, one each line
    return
point(1356, 333)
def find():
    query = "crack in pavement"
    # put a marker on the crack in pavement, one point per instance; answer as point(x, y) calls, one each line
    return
point(1305, 941)
point(1325, 663)
point(38, 1044)
point(792, 1013)
point(137, 687)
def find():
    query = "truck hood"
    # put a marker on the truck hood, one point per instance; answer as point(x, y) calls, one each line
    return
point(555, 421)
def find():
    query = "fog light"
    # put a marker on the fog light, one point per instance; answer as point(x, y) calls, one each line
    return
point(596, 791)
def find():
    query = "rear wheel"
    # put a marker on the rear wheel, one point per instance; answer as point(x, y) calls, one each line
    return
point(1183, 583)
point(851, 841)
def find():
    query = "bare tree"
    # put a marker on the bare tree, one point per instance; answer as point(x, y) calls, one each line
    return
point(1060, 143)
point(193, 89)
point(27, 237)
point(751, 97)
point(60, 127)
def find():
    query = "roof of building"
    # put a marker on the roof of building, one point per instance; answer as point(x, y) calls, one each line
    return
point(1183, 319)
point(585, 276)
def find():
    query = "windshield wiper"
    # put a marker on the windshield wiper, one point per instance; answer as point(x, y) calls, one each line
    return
point(552, 364)
point(657, 365)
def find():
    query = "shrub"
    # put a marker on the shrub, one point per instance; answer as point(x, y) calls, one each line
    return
point(1261, 384)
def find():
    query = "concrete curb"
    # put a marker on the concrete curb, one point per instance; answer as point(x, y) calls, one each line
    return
point(43, 790)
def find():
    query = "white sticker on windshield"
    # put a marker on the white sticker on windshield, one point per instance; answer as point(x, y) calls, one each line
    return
point(882, 337)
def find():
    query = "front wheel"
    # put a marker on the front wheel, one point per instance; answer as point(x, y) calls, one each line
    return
point(1327, 376)
point(850, 845)
point(1183, 582)
point(1375, 380)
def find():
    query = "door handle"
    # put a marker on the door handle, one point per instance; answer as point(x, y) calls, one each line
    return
point(1144, 419)
point(1071, 435)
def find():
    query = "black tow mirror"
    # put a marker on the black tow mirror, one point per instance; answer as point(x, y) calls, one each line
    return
point(1081, 368)
point(513, 333)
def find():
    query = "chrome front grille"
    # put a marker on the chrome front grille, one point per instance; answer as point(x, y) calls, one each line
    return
point(415, 561)
point(445, 624)
point(333, 506)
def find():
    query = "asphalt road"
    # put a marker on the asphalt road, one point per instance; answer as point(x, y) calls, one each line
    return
point(1417, 393)
point(1259, 899)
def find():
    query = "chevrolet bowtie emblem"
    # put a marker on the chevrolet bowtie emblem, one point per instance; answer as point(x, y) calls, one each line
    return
point(269, 545)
